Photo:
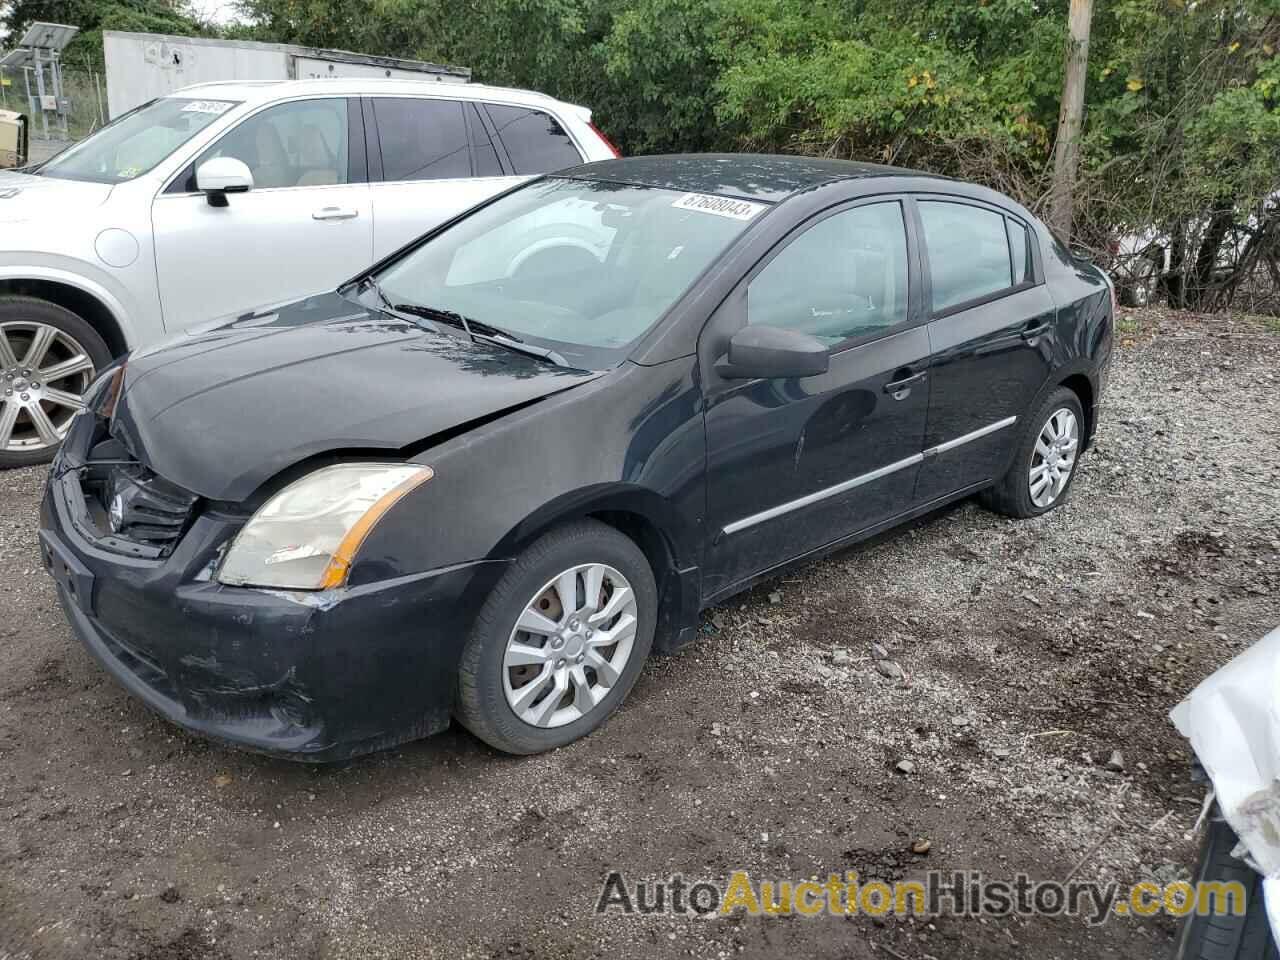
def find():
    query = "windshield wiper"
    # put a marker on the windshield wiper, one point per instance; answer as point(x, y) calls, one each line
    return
point(480, 332)
point(369, 283)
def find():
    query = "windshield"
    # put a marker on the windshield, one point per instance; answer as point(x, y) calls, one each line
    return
point(579, 267)
point(131, 145)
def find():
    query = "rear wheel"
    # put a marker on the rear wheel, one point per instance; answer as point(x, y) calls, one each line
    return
point(48, 358)
point(560, 641)
point(1045, 462)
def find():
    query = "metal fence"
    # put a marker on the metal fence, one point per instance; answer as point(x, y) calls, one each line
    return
point(83, 88)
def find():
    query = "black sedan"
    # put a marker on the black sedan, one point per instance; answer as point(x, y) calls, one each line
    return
point(488, 477)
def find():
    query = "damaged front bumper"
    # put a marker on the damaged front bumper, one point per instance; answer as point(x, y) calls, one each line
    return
point(309, 676)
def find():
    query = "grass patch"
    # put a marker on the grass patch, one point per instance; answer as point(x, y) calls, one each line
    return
point(1271, 325)
point(1128, 325)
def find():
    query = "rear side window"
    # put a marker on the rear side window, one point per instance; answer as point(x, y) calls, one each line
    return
point(422, 139)
point(1020, 251)
point(535, 141)
point(968, 252)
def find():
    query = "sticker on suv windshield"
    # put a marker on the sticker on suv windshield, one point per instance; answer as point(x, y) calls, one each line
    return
point(720, 206)
point(216, 107)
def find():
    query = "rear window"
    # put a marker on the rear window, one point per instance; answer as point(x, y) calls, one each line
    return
point(535, 141)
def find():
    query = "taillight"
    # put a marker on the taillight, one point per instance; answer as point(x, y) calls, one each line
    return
point(607, 142)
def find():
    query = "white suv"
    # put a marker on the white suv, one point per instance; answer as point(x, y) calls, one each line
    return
point(222, 197)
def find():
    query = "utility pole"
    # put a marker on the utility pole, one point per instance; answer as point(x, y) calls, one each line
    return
point(1066, 153)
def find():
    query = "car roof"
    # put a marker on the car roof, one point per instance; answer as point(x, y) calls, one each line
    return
point(751, 176)
point(265, 91)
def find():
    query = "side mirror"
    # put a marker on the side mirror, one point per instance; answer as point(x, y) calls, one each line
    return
point(769, 353)
point(220, 176)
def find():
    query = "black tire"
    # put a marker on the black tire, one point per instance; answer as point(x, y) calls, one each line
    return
point(31, 309)
point(1227, 937)
point(481, 703)
point(1011, 495)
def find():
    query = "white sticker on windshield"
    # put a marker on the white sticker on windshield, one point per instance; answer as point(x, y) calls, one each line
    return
point(720, 206)
point(216, 107)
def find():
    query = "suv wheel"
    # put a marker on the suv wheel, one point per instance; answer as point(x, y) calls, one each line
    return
point(48, 358)
point(560, 641)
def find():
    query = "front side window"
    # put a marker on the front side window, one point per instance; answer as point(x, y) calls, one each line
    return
point(844, 277)
point(968, 252)
point(580, 267)
point(298, 144)
point(535, 141)
point(422, 139)
point(133, 144)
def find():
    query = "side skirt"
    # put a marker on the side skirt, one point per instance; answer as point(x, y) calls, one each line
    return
point(865, 533)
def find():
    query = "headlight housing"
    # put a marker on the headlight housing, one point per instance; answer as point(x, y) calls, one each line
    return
point(307, 535)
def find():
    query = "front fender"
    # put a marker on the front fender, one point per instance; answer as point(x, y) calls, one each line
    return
point(629, 442)
point(136, 323)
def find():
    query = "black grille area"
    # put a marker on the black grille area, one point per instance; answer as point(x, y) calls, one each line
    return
point(145, 507)
point(127, 501)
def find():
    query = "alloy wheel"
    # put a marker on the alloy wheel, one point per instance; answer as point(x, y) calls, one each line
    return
point(1054, 457)
point(570, 645)
point(44, 373)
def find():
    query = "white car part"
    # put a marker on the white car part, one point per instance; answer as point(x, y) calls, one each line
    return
point(1233, 722)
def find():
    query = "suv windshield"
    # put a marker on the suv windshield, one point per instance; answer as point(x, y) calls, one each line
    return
point(131, 145)
point(579, 267)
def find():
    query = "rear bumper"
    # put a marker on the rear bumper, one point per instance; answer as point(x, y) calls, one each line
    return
point(308, 676)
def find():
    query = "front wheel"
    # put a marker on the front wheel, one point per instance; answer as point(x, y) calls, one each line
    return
point(560, 641)
point(1045, 462)
point(48, 358)
point(1227, 936)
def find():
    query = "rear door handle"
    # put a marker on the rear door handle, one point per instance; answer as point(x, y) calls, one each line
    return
point(896, 387)
point(335, 213)
point(1032, 332)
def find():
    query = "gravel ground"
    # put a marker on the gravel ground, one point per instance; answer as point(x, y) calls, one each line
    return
point(1030, 651)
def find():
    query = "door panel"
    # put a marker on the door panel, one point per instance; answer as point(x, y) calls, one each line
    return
point(302, 228)
point(795, 464)
point(984, 373)
point(404, 211)
point(989, 359)
point(838, 439)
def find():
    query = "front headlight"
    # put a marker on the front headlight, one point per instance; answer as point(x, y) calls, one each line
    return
point(307, 535)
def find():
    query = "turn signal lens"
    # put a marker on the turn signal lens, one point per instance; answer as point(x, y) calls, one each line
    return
point(105, 403)
point(307, 536)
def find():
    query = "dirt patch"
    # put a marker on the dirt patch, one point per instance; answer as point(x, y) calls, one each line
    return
point(1029, 652)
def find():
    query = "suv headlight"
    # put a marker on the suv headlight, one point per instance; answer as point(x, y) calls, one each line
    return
point(307, 535)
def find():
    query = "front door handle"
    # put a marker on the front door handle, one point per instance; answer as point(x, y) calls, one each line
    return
point(898, 389)
point(1032, 332)
point(335, 213)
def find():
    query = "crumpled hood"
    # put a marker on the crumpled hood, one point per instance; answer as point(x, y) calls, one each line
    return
point(1233, 722)
point(221, 413)
point(24, 197)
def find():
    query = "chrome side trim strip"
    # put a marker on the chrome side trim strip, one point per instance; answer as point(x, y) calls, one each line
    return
point(975, 435)
point(826, 492)
point(822, 494)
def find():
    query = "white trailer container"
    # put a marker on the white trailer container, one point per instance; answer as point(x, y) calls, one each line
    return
point(143, 66)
